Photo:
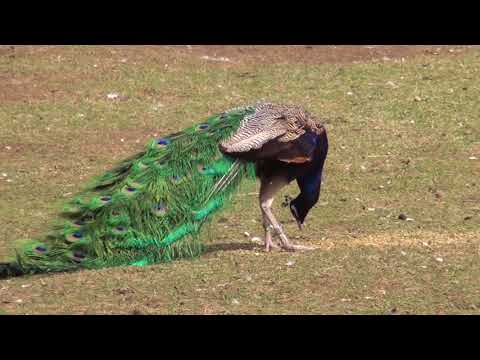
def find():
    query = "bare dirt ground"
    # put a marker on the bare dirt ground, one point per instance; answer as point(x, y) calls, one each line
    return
point(311, 54)
point(26, 88)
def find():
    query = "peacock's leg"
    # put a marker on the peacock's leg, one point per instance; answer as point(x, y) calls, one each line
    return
point(269, 244)
point(268, 189)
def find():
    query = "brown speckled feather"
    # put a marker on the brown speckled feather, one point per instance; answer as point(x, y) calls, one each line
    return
point(274, 132)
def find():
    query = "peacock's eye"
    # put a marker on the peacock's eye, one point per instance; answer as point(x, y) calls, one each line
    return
point(73, 237)
point(120, 228)
point(78, 256)
point(41, 249)
point(201, 168)
point(130, 190)
point(203, 127)
point(79, 222)
point(105, 199)
point(159, 209)
point(176, 178)
point(163, 142)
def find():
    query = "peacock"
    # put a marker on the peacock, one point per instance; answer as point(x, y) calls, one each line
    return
point(151, 207)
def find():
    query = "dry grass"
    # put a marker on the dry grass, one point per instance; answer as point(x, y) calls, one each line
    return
point(402, 135)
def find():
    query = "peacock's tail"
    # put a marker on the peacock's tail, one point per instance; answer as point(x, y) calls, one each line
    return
point(137, 213)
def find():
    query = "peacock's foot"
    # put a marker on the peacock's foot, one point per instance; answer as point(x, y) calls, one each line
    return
point(292, 247)
point(288, 246)
point(271, 246)
point(285, 243)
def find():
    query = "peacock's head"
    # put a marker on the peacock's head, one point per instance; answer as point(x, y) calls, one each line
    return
point(299, 210)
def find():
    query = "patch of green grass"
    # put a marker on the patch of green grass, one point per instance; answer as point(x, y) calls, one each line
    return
point(401, 134)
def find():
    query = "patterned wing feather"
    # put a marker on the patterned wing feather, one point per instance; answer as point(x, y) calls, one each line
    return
point(275, 132)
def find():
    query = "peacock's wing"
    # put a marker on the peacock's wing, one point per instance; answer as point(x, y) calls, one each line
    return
point(274, 132)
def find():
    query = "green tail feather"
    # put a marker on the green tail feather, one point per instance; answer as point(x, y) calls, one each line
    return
point(150, 208)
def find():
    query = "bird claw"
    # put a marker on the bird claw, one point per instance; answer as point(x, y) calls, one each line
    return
point(294, 248)
point(271, 246)
point(287, 246)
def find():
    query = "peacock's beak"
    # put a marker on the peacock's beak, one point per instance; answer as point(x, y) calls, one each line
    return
point(300, 225)
point(294, 211)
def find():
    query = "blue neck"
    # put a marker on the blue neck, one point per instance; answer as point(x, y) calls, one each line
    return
point(310, 181)
point(309, 185)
